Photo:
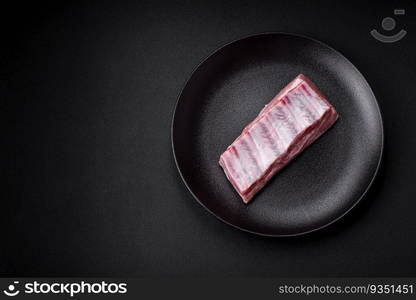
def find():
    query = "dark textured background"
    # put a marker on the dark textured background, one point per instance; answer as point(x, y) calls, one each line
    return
point(92, 87)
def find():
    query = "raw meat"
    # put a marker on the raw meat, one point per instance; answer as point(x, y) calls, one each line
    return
point(295, 117)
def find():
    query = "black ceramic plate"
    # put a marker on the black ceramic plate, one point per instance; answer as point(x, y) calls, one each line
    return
point(229, 89)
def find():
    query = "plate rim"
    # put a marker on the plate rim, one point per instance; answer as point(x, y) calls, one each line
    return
point(217, 50)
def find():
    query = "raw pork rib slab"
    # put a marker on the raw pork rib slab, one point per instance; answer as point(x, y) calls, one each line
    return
point(295, 117)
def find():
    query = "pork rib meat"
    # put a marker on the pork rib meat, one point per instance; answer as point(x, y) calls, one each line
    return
point(294, 118)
